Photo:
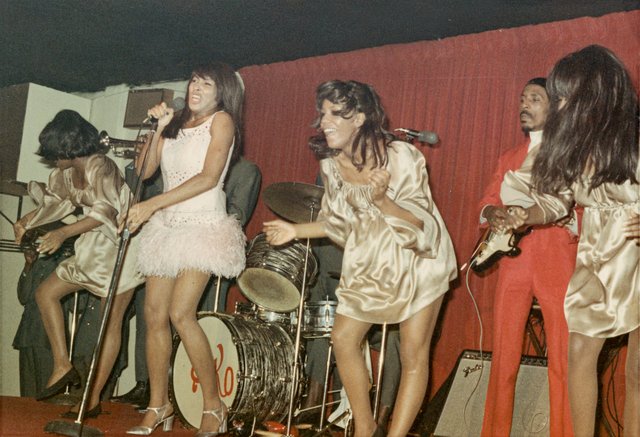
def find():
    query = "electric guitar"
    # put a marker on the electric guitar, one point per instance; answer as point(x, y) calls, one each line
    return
point(493, 245)
point(30, 239)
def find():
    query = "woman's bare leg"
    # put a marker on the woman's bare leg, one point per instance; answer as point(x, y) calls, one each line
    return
point(189, 287)
point(583, 382)
point(415, 342)
point(158, 342)
point(632, 386)
point(347, 335)
point(48, 296)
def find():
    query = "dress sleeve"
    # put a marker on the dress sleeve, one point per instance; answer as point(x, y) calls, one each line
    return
point(334, 212)
point(517, 185)
point(109, 192)
point(510, 160)
point(53, 202)
point(409, 188)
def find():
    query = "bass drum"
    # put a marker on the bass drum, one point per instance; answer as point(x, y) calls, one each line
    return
point(253, 363)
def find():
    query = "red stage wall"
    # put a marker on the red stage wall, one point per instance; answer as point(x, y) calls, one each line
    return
point(464, 88)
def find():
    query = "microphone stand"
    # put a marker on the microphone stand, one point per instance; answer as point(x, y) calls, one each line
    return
point(77, 428)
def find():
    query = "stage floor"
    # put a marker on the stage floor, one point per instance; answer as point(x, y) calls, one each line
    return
point(28, 417)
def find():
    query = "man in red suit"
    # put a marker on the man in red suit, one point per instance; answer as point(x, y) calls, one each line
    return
point(542, 270)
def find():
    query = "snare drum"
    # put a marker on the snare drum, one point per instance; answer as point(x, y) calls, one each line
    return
point(274, 274)
point(252, 311)
point(253, 363)
point(319, 317)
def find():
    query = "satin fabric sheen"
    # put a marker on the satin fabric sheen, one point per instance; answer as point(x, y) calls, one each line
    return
point(105, 197)
point(603, 296)
point(391, 269)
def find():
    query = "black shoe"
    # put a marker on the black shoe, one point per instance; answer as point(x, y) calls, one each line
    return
point(142, 406)
point(378, 432)
point(310, 417)
point(383, 417)
point(71, 377)
point(138, 395)
point(91, 414)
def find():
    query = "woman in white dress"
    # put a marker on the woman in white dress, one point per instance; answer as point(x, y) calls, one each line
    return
point(189, 235)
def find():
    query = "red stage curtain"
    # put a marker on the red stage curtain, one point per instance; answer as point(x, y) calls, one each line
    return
point(464, 88)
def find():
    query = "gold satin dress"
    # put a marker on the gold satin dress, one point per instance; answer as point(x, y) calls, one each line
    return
point(603, 296)
point(104, 199)
point(391, 269)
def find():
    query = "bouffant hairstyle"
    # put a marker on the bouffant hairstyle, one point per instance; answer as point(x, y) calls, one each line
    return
point(68, 136)
point(355, 97)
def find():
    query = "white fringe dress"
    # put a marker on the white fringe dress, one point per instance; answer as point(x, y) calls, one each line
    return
point(197, 233)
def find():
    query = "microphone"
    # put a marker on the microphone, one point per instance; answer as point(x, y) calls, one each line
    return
point(176, 104)
point(423, 136)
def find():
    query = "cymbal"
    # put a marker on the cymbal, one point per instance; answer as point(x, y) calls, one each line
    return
point(13, 188)
point(294, 201)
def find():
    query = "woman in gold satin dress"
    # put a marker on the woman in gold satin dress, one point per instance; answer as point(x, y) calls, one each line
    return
point(589, 156)
point(84, 178)
point(398, 257)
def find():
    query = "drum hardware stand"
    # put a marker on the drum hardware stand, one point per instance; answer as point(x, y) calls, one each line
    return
point(325, 388)
point(296, 351)
point(215, 303)
point(77, 428)
point(315, 407)
point(336, 420)
point(383, 349)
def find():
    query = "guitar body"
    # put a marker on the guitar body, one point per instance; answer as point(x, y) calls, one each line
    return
point(30, 239)
point(493, 245)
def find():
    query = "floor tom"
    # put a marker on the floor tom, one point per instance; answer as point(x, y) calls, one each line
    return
point(273, 275)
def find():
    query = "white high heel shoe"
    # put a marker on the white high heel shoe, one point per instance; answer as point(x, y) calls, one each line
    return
point(220, 414)
point(161, 418)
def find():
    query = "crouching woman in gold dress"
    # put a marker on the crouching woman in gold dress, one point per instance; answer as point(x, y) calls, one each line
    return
point(83, 178)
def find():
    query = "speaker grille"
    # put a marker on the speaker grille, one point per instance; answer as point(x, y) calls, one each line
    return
point(12, 115)
point(139, 101)
point(464, 406)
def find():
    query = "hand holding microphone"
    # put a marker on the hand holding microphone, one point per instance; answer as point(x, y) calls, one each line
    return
point(161, 114)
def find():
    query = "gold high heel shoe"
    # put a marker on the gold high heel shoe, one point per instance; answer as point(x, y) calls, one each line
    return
point(161, 418)
point(220, 414)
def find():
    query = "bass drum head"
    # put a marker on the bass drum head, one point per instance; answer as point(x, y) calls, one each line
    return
point(184, 387)
point(269, 289)
point(253, 362)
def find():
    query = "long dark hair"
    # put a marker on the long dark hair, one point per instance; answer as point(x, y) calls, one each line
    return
point(354, 97)
point(595, 133)
point(230, 94)
point(68, 136)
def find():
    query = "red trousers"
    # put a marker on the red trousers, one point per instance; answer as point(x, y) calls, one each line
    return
point(543, 270)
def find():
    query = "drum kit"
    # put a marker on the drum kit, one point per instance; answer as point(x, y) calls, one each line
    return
point(257, 349)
